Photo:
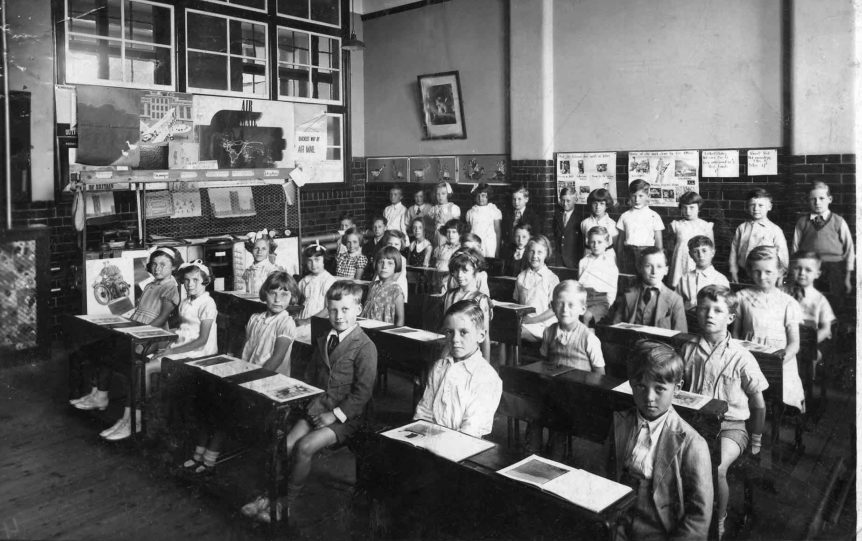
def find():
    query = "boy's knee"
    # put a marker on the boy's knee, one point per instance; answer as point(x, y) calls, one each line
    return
point(306, 448)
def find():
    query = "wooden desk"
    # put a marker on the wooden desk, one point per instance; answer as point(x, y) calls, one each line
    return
point(268, 414)
point(479, 502)
point(425, 278)
point(506, 326)
point(582, 403)
point(501, 288)
point(564, 273)
point(80, 332)
point(234, 312)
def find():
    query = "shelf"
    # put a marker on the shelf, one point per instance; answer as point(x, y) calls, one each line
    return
point(197, 177)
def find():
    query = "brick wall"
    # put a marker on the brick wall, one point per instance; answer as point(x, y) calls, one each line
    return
point(321, 208)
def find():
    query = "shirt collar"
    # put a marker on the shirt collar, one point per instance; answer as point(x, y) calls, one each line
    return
point(342, 335)
point(655, 425)
point(705, 272)
point(763, 223)
point(471, 363)
point(825, 215)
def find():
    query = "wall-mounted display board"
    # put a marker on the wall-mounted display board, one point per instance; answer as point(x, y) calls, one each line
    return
point(587, 171)
point(670, 173)
point(465, 169)
point(157, 130)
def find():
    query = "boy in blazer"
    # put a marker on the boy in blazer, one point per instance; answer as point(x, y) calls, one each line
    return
point(520, 214)
point(566, 230)
point(651, 302)
point(663, 459)
point(344, 365)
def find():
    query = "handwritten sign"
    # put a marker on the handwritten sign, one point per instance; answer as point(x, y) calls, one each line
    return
point(720, 163)
point(762, 161)
point(310, 146)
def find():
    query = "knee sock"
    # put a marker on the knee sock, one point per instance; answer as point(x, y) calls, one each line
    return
point(210, 458)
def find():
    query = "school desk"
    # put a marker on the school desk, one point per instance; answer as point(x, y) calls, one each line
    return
point(477, 502)
point(506, 326)
point(263, 414)
point(80, 332)
point(582, 403)
point(501, 288)
point(234, 309)
point(413, 353)
point(424, 277)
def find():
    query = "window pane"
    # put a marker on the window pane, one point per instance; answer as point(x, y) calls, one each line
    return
point(207, 33)
point(248, 76)
point(333, 153)
point(145, 22)
point(327, 53)
point(207, 71)
point(293, 8)
point(248, 39)
point(256, 4)
point(147, 64)
point(325, 84)
point(95, 17)
point(89, 58)
point(333, 131)
point(325, 11)
point(292, 47)
point(293, 81)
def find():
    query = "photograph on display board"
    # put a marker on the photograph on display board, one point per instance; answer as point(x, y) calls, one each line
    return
point(670, 173)
point(109, 285)
point(586, 171)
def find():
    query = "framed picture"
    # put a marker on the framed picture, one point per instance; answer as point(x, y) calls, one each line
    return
point(433, 169)
point(442, 106)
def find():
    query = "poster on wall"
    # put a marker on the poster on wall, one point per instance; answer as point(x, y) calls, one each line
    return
point(433, 169)
point(109, 285)
point(132, 128)
point(670, 173)
point(762, 161)
point(482, 168)
point(395, 169)
point(317, 144)
point(231, 202)
point(587, 171)
point(720, 164)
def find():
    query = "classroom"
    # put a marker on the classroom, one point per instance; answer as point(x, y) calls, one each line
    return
point(429, 269)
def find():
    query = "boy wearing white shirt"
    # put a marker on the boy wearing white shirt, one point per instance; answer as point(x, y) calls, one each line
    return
point(597, 271)
point(702, 250)
point(396, 213)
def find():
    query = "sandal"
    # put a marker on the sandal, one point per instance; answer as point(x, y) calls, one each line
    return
point(204, 469)
point(192, 464)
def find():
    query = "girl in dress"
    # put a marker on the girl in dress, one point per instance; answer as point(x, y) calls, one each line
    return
point(464, 268)
point(469, 241)
point(260, 245)
point(397, 240)
point(599, 201)
point(419, 254)
point(314, 285)
point(351, 264)
point(443, 211)
point(771, 317)
point(535, 287)
point(269, 338)
point(386, 298)
point(484, 220)
point(690, 226)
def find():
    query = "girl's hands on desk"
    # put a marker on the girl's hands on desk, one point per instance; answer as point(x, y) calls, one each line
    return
point(324, 419)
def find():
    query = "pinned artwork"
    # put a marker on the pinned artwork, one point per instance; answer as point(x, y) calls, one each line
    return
point(109, 285)
point(670, 174)
point(433, 169)
point(483, 168)
point(388, 169)
point(585, 172)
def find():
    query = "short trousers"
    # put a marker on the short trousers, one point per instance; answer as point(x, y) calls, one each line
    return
point(735, 431)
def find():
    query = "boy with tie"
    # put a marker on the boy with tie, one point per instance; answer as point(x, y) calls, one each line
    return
point(651, 302)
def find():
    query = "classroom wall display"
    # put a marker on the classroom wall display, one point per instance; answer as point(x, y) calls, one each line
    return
point(99, 204)
point(720, 163)
point(392, 169)
point(18, 306)
point(483, 168)
point(158, 204)
point(670, 173)
point(186, 204)
point(433, 169)
point(231, 202)
point(585, 172)
point(442, 106)
point(762, 161)
point(109, 285)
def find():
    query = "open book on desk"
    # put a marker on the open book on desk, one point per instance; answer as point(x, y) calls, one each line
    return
point(281, 388)
point(415, 334)
point(580, 487)
point(223, 366)
point(646, 329)
point(443, 442)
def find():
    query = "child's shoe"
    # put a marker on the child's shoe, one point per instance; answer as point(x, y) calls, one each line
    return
point(254, 507)
point(112, 428)
point(124, 430)
point(265, 517)
point(97, 401)
point(92, 392)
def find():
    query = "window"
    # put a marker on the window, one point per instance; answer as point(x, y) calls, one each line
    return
point(308, 66)
point(333, 137)
point(120, 43)
point(257, 5)
point(326, 12)
point(225, 55)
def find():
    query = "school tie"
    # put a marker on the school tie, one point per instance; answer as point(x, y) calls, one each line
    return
point(331, 344)
point(641, 449)
point(648, 292)
point(517, 219)
point(818, 222)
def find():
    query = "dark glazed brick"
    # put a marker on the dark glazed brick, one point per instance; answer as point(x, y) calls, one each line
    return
point(848, 158)
point(810, 168)
point(839, 168)
point(823, 158)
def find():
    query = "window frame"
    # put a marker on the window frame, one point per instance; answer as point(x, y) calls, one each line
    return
point(69, 78)
point(340, 70)
point(227, 55)
point(231, 4)
point(309, 19)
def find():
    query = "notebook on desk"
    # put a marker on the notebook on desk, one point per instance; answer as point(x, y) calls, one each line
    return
point(443, 442)
point(224, 366)
point(547, 369)
point(580, 487)
point(646, 329)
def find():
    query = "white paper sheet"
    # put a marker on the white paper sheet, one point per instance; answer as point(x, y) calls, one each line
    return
point(371, 323)
point(415, 334)
point(683, 399)
point(281, 388)
point(646, 329)
point(100, 319)
point(223, 370)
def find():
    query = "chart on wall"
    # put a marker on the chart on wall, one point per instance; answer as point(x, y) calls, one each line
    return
point(109, 285)
point(587, 171)
point(670, 173)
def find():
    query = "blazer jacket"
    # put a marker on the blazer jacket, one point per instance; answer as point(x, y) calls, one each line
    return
point(567, 241)
point(669, 310)
point(682, 473)
point(347, 375)
point(529, 216)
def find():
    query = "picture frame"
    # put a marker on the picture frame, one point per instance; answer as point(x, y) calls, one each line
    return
point(442, 106)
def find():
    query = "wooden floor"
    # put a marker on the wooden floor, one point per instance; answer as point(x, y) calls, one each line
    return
point(59, 480)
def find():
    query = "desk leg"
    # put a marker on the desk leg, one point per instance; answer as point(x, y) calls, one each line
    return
point(272, 476)
point(134, 381)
